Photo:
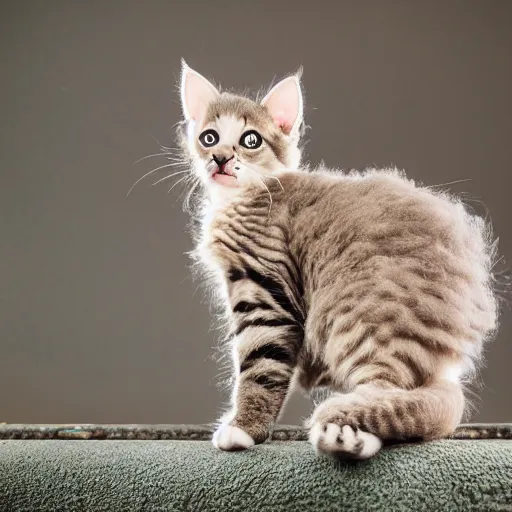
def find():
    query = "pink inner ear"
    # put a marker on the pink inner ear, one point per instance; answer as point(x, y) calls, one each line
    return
point(284, 103)
point(197, 94)
point(283, 123)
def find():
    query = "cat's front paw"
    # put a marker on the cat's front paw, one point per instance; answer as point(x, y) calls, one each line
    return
point(230, 438)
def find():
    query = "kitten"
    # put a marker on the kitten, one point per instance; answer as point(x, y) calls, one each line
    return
point(363, 283)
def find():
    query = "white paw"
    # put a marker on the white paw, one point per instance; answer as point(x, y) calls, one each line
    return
point(344, 442)
point(230, 438)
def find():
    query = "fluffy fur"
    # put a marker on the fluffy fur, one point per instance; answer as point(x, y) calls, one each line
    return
point(366, 284)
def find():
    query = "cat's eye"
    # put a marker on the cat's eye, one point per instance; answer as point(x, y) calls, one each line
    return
point(209, 138)
point(251, 140)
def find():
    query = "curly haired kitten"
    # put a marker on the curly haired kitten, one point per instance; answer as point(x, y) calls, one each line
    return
point(363, 283)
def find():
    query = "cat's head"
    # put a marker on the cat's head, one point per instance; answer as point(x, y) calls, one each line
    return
point(235, 142)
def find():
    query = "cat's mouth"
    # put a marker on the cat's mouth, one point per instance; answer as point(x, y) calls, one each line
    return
point(224, 174)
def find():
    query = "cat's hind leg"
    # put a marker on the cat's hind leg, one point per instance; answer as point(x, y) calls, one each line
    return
point(354, 425)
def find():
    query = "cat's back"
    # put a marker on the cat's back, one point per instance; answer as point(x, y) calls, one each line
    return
point(383, 205)
point(397, 238)
point(374, 193)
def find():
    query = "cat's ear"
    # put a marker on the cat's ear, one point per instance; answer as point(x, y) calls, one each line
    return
point(285, 103)
point(196, 93)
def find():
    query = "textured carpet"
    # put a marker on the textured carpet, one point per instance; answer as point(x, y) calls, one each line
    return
point(77, 471)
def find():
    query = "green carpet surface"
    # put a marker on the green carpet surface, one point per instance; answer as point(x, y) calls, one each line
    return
point(74, 474)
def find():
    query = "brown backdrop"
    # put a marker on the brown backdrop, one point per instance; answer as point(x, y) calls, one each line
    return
point(100, 320)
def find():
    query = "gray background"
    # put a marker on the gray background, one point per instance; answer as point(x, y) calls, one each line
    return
point(99, 319)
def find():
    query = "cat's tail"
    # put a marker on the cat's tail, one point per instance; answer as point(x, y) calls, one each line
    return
point(354, 425)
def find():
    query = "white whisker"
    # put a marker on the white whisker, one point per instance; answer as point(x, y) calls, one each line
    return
point(179, 181)
point(160, 144)
point(269, 195)
point(265, 175)
point(150, 156)
point(449, 183)
point(169, 176)
point(277, 179)
point(147, 174)
point(262, 182)
point(186, 202)
point(176, 161)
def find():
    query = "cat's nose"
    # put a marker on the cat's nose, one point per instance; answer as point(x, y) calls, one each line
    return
point(220, 159)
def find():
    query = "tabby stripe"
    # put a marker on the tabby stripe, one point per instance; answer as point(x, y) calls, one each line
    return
point(235, 274)
point(271, 383)
point(246, 307)
point(242, 248)
point(428, 344)
point(239, 247)
point(388, 423)
point(431, 321)
point(404, 421)
point(258, 257)
point(354, 344)
point(292, 272)
point(434, 293)
point(299, 283)
point(229, 245)
point(254, 205)
point(268, 351)
point(262, 229)
point(364, 359)
point(276, 291)
point(382, 375)
point(247, 235)
point(420, 373)
point(263, 322)
point(323, 380)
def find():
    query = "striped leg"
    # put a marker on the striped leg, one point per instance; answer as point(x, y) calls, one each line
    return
point(353, 425)
point(266, 359)
point(266, 344)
